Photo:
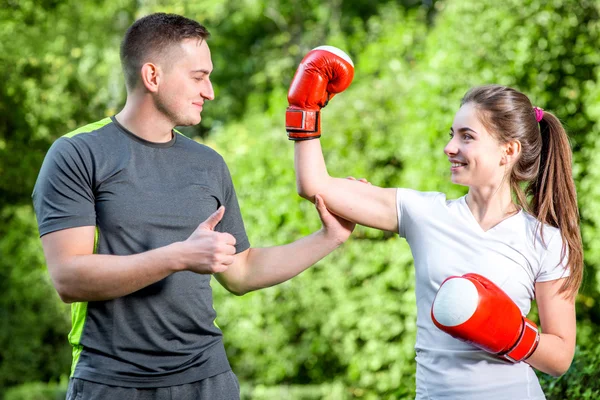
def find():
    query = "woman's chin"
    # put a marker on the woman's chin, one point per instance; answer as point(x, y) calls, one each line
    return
point(458, 181)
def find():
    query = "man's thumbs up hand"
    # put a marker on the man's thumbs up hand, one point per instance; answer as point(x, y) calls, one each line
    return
point(211, 222)
point(207, 251)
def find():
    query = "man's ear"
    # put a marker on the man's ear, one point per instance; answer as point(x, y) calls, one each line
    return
point(512, 151)
point(150, 76)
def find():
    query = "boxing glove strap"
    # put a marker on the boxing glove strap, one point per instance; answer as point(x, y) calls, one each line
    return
point(526, 345)
point(302, 124)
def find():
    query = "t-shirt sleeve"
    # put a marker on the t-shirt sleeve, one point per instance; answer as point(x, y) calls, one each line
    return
point(63, 196)
point(232, 221)
point(414, 206)
point(553, 266)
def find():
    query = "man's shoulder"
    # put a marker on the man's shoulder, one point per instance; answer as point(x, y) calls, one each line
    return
point(92, 127)
point(88, 141)
point(90, 135)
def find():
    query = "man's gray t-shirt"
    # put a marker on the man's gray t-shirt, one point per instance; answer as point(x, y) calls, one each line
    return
point(140, 196)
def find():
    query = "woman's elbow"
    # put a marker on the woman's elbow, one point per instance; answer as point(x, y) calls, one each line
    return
point(559, 368)
point(557, 373)
point(305, 191)
point(305, 195)
point(562, 369)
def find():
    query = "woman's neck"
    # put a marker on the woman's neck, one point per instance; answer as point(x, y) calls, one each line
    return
point(491, 207)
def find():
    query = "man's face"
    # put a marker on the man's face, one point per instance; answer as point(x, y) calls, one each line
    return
point(185, 85)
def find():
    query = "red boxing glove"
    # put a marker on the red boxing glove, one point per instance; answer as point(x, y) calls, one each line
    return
point(473, 309)
point(322, 73)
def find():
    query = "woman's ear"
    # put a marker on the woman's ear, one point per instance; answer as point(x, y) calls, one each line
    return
point(512, 151)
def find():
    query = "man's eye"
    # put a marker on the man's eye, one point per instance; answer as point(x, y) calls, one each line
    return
point(451, 134)
point(468, 137)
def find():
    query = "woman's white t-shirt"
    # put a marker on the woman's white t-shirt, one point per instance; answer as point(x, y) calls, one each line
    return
point(446, 240)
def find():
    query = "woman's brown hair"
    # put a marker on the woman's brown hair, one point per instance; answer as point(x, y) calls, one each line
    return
point(544, 164)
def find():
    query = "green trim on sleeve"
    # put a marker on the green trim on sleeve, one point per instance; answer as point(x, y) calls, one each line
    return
point(89, 127)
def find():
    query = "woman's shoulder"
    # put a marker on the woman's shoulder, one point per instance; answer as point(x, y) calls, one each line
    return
point(423, 195)
point(416, 198)
point(538, 232)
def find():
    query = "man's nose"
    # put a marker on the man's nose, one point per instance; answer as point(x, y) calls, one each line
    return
point(207, 91)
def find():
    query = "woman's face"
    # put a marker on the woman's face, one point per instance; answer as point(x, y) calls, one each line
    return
point(476, 157)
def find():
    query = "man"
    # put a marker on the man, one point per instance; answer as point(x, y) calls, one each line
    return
point(134, 218)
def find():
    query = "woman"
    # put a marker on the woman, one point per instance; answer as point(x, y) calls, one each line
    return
point(527, 242)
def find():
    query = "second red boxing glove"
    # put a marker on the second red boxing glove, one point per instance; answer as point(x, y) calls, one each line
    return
point(322, 73)
point(473, 309)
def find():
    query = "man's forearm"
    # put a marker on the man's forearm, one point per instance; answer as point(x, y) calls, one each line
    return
point(97, 277)
point(269, 266)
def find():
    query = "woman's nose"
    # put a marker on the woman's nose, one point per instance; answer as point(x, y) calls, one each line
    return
point(450, 148)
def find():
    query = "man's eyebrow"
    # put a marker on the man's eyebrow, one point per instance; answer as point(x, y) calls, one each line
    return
point(203, 71)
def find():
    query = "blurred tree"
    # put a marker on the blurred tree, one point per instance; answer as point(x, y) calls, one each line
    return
point(33, 321)
point(391, 126)
point(59, 68)
point(56, 73)
point(59, 63)
point(350, 322)
point(256, 43)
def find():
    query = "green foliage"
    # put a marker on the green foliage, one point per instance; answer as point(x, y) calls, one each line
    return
point(56, 61)
point(345, 328)
point(34, 323)
point(257, 43)
point(353, 318)
point(38, 391)
point(581, 381)
point(334, 391)
point(389, 126)
point(59, 67)
point(589, 198)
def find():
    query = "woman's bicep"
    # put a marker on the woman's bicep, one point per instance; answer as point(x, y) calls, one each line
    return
point(362, 203)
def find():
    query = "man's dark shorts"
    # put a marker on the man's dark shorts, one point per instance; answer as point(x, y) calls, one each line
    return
point(224, 386)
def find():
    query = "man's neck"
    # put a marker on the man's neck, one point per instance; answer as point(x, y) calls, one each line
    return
point(143, 120)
